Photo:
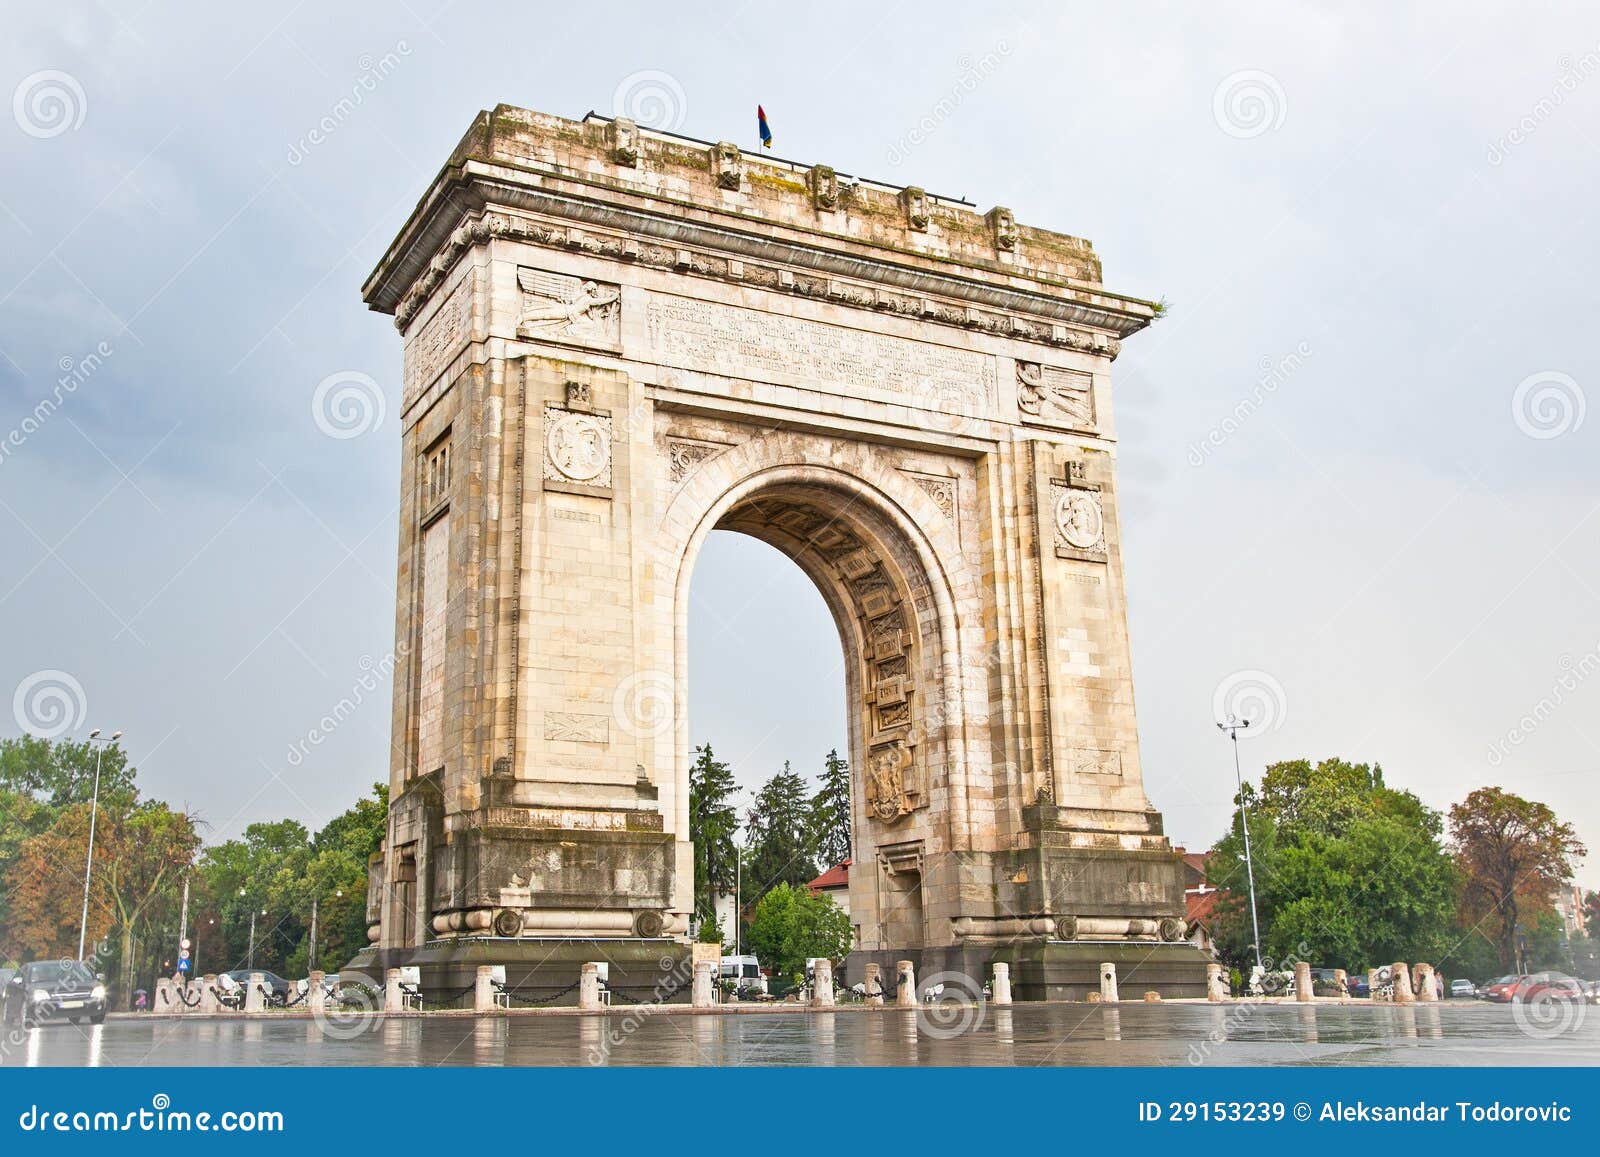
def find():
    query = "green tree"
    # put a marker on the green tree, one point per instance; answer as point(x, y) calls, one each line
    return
point(62, 773)
point(712, 823)
point(1349, 872)
point(1512, 854)
point(830, 812)
point(791, 925)
point(779, 830)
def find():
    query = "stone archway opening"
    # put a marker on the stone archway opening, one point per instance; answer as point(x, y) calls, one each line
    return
point(877, 590)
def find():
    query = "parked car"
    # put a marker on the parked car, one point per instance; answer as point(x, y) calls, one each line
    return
point(278, 989)
point(1553, 986)
point(1463, 989)
point(1505, 989)
point(54, 988)
point(1357, 986)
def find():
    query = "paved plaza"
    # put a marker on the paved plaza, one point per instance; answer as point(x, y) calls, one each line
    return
point(1168, 1035)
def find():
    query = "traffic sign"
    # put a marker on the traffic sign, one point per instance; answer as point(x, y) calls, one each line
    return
point(183, 965)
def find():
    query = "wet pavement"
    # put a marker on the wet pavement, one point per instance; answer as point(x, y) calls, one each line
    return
point(1167, 1035)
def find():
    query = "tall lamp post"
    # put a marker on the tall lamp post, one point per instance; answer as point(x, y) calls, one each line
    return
point(250, 955)
point(1232, 728)
point(94, 816)
point(311, 955)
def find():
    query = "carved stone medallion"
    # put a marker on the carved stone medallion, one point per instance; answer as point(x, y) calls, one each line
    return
point(1079, 519)
point(577, 447)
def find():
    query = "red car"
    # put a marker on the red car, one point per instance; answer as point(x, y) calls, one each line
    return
point(1552, 986)
point(1505, 989)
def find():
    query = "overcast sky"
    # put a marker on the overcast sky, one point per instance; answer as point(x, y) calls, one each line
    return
point(1361, 491)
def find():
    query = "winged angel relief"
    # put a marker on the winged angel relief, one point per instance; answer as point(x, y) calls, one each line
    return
point(563, 308)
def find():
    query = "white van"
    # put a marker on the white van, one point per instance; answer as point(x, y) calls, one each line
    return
point(744, 972)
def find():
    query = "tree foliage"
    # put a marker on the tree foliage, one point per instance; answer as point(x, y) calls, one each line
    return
point(1349, 873)
point(713, 820)
point(1512, 854)
point(779, 831)
point(791, 925)
point(830, 812)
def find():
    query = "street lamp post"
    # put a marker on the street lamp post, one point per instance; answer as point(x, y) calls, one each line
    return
point(311, 954)
point(94, 815)
point(1232, 727)
point(250, 954)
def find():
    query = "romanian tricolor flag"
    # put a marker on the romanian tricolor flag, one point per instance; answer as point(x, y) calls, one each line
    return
point(762, 128)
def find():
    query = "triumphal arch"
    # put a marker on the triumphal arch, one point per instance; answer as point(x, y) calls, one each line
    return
point(618, 341)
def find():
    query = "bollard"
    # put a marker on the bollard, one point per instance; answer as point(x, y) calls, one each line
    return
point(317, 992)
point(393, 999)
point(1341, 980)
point(905, 984)
point(1108, 982)
point(589, 986)
point(822, 984)
point(483, 989)
point(1426, 992)
point(1402, 983)
point(874, 984)
point(1002, 983)
point(704, 995)
point(1302, 981)
point(208, 995)
point(1216, 984)
point(164, 1000)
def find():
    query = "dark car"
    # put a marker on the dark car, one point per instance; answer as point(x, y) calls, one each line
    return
point(1357, 986)
point(278, 989)
point(54, 988)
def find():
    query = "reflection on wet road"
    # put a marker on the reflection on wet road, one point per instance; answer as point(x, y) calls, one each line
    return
point(1058, 1034)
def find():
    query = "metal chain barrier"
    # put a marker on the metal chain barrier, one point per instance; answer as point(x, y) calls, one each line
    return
point(448, 1001)
point(533, 1001)
point(300, 998)
point(183, 998)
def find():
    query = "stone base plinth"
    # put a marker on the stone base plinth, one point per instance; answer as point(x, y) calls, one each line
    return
point(539, 971)
point(1057, 970)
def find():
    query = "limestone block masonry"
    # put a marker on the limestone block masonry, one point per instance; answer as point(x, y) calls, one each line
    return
point(617, 341)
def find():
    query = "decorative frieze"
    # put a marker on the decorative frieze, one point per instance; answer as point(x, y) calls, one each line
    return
point(577, 727)
point(492, 225)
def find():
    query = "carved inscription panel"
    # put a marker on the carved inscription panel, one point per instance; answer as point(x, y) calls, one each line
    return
point(704, 335)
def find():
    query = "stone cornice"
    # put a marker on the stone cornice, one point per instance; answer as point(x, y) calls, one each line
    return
point(455, 214)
